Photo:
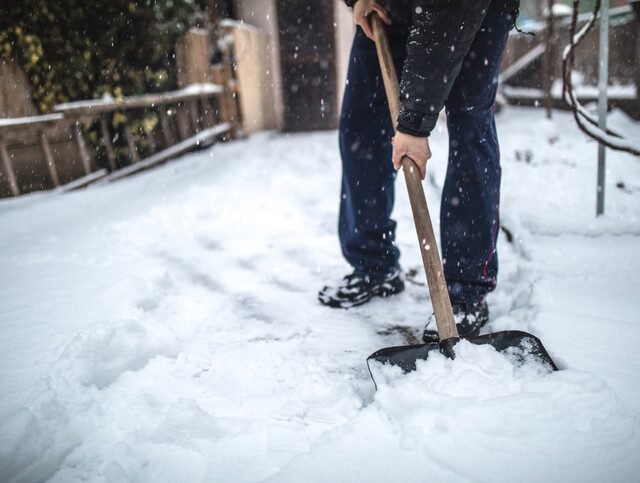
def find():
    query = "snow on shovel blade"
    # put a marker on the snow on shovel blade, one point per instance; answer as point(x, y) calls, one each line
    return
point(520, 347)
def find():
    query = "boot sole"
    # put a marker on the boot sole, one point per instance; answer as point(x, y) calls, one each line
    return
point(347, 304)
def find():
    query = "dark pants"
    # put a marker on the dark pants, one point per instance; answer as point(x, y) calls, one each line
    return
point(470, 198)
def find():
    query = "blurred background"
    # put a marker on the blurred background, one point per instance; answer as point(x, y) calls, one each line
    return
point(89, 88)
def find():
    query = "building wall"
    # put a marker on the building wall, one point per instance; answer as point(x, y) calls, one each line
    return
point(308, 60)
point(263, 15)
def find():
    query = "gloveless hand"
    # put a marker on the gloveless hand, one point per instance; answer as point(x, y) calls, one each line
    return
point(417, 148)
point(361, 11)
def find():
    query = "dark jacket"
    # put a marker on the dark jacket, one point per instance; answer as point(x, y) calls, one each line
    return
point(440, 33)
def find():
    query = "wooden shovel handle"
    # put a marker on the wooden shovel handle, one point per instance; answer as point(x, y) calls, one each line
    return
point(426, 238)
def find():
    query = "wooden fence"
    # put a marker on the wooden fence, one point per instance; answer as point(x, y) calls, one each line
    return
point(248, 53)
point(186, 118)
point(230, 98)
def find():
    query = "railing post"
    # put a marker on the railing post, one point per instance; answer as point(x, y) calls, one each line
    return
point(183, 120)
point(151, 139)
point(167, 130)
point(133, 150)
point(227, 101)
point(195, 116)
point(8, 168)
point(207, 117)
point(106, 138)
point(48, 156)
point(82, 148)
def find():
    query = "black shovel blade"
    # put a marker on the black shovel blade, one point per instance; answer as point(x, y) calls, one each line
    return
point(519, 346)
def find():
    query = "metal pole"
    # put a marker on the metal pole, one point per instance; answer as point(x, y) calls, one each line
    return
point(549, 66)
point(603, 81)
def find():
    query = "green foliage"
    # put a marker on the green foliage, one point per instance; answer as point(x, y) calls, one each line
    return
point(79, 49)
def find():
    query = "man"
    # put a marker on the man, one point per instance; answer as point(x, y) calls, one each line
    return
point(447, 54)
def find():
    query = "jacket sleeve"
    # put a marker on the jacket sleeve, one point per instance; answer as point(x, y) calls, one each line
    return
point(441, 34)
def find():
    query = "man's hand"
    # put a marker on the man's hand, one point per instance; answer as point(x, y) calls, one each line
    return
point(361, 11)
point(417, 148)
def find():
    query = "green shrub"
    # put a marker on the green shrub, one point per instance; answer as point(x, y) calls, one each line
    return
point(79, 49)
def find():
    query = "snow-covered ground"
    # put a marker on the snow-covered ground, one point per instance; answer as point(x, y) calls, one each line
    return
point(165, 327)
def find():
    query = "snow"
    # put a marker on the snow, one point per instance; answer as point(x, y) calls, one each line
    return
point(200, 89)
point(615, 91)
point(165, 327)
point(108, 100)
point(231, 23)
point(479, 419)
point(22, 121)
point(560, 10)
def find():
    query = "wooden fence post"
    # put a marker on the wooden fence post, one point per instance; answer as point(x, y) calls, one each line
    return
point(151, 139)
point(13, 182)
point(195, 116)
point(167, 130)
point(133, 150)
point(48, 156)
point(193, 57)
point(208, 115)
point(106, 138)
point(227, 102)
point(82, 148)
point(183, 120)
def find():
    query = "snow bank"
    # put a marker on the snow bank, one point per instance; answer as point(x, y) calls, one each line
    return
point(480, 418)
point(69, 408)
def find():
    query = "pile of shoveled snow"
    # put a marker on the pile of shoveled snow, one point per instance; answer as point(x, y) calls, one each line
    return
point(479, 418)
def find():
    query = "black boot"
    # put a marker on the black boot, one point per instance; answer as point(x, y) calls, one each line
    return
point(469, 319)
point(356, 290)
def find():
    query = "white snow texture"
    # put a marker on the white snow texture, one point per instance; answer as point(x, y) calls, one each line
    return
point(165, 327)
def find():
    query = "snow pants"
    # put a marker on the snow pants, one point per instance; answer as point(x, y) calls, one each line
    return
point(469, 218)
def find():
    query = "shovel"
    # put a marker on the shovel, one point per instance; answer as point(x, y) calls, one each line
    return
point(519, 346)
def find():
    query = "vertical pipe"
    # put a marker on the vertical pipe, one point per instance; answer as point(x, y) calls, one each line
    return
point(603, 81)
point(549, 59)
